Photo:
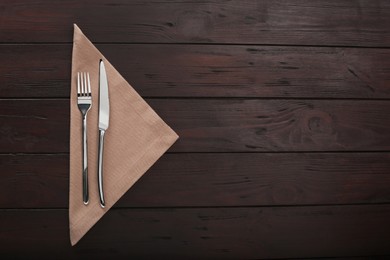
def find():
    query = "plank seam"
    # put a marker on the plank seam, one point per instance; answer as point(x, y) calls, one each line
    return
point(204, 44)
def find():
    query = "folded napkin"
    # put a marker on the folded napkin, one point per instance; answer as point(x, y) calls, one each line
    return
point(135, 139)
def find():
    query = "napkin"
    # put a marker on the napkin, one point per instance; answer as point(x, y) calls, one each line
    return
point(134, 141)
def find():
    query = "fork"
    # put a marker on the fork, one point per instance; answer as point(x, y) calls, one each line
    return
point(84, 102)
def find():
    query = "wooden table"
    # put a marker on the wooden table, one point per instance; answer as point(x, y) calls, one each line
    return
point(283, 112)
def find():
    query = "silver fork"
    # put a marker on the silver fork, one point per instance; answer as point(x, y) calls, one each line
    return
point(84, 102)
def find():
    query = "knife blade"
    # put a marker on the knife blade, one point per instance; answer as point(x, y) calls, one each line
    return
point(104, 119)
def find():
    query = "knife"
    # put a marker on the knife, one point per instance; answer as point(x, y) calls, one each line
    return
point(104, 116)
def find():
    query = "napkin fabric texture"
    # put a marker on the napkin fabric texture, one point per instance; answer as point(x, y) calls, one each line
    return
point(134, 141)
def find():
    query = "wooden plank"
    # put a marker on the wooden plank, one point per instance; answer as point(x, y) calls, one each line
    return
point(375, 257)
point(218, 125)
point(372, 257)
point(187, 180)
point(34, 126)
point(282, 232)
point(35, 70)
point(301, 22)
point(207, 71)
point(36, 181)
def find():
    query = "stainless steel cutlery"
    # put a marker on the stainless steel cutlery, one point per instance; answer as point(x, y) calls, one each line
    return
point(84, 102)
point(104, 116)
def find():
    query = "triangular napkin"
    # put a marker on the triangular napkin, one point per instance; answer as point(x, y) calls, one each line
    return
point(135, 139)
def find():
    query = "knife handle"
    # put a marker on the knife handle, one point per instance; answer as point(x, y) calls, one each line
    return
point(100, 167)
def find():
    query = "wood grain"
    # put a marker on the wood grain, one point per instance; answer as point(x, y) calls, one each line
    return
point(218, 125)
point(299, 22)
point(282, 111)
point(34, 126)
point(278, 232)
point(33, 71)
point(188, 180)
point(207, 71)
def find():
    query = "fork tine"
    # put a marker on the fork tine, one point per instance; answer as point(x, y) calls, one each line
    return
point(82, 84)
point(89, 85)
point(85, 85)
point(78, 83)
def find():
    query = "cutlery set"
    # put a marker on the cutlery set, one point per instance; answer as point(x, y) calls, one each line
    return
point(84, 103)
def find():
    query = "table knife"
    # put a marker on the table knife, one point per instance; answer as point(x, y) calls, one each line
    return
point(104, 118)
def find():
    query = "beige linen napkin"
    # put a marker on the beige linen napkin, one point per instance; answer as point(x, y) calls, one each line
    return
point(135, 139)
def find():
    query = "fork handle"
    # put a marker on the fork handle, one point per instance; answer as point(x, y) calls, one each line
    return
point(100, 166)
point(85, 163)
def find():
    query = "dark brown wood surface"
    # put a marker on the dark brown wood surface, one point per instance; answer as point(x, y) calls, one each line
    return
point(163, 70)
point(219, 125)
point(193, 233)
point(283, 112)
point(297, 22)
point(213, 179)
